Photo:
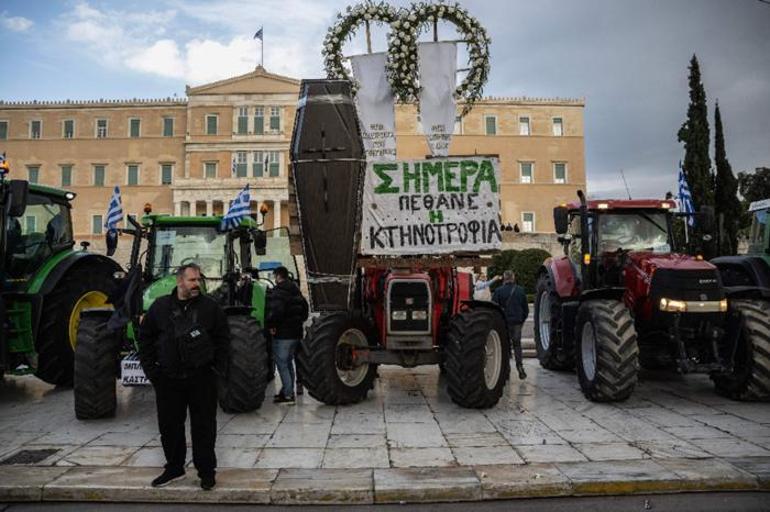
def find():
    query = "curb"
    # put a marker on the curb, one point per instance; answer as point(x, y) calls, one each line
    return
point(391, 485)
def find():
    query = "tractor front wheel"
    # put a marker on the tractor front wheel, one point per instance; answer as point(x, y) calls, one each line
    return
point(607, 351)
point(750, 379)
point(548, 339)
point(477, 358)
point(242, 388)
point(96, 367)
point(326, 367)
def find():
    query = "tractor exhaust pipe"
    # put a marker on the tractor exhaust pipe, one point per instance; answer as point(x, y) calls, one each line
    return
point(585, 261)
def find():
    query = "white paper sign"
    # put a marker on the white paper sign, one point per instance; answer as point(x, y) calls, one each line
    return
point(438, 65)
point(374, 103)
point(131, 372)
point(432, 207)
point(165, 237)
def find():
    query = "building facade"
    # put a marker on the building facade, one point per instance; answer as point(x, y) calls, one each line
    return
point(191, 156)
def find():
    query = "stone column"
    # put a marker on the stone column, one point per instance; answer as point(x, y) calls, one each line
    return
point(177, 208)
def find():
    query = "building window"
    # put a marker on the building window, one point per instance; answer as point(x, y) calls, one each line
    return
point(259, 120)
point(133, 175)
point(241, 167)
point(273, 166)
point(96, 224)
point(35, 128)
point(275, 119)
point(559, 172)
point(3, 130)
point(211, 124)
point(490, 125)
point(168, 126)
point(133, 127)
point(258, 165)
point(166, 174)
point(243, 121)
point(458, 128)
point(526, 172)
point(101, 128)
point(69, 128)
point(523, 126)
point(99, 171)
point(66, 175)
point(31, 223)
point(528, 222)
point(209, 169)
point(558, 127)
point(34, 173)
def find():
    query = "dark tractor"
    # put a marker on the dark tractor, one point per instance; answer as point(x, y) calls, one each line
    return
point(231, 276)
point(46, 283)
point(753, 268)
point(623, 297)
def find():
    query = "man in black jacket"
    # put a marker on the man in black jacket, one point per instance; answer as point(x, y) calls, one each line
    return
point(183, 340)
point(512, 298)
point(286, 312)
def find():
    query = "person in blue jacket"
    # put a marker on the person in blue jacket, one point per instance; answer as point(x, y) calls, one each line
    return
point(512, 298)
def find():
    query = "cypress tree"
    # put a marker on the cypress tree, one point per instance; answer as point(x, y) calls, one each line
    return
point(726, 205)
point(694, 133)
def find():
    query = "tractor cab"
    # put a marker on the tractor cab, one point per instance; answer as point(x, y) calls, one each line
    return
point(759, 235)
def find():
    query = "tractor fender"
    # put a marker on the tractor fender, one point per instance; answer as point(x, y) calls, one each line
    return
point(563, 276)
point(488, 305)
point(60, 268)
point(754, 269)
point(747, 292)
point(613, 293)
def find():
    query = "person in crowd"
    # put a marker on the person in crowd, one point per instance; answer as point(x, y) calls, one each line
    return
point(512, 298)
point(183, 343)
point(481, 290)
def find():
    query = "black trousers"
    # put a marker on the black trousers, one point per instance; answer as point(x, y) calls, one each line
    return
point(173, 398)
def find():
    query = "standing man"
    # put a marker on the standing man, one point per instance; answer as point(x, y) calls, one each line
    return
point(183, 341)
point(513, 300)
point(287, 310)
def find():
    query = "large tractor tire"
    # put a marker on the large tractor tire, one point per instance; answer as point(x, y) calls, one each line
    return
point(750, 379)
point(548, 340)
point(477, 358)
point(83, 287)
point(96, 369)
point(242, 388)
point(607, 351)
point(325, 366)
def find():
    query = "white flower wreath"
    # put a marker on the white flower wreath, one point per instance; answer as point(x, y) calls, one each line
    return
point(402, 50)
point(345, 28)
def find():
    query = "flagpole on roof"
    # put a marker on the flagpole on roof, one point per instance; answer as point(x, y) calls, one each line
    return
point(260, 35)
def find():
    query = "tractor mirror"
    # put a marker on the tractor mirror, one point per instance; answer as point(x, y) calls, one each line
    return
point(111, 241)
point(18, 190)
point(560, 220)
point(260, 242)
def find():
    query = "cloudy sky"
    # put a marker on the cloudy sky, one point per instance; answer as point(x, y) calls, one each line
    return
point(628, 59)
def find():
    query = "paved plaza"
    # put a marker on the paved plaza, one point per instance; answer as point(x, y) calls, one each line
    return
point(543, 432)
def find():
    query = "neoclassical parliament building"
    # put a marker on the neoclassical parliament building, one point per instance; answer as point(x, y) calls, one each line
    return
point(191, 156)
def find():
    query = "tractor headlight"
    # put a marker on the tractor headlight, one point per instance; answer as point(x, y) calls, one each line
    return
point(398, 315)
point(419, 315)
point(673, 306)
point(723, 305)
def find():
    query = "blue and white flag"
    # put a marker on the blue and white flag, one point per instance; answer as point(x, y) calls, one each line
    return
point(685, 199)
point(240, 209)
point(114, 211)
point(258, 35)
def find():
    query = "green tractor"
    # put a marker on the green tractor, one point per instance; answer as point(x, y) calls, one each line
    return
point(46, 283)
point(231, 263)
point(753, 268)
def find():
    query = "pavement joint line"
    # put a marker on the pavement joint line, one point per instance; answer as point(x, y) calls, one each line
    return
point(390, 485)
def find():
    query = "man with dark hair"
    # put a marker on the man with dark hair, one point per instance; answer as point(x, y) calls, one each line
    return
point(286, 311)
point(183, 341)
point(512, 298)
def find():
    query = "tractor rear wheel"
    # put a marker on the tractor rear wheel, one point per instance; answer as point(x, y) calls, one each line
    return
point(83, 287)
point(548, 339)
point(96, 366)
point(750, 379)
point(325, 364)
point(477, 358)
point(242, 388)
point(607, 351)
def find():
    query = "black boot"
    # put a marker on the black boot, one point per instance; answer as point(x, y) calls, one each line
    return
point(522, 373)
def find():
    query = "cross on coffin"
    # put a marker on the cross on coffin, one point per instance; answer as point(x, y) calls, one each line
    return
point(323, 149)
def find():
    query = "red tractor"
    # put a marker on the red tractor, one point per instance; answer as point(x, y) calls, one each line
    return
point(622, 297)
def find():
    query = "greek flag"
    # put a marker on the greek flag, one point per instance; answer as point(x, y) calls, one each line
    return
point(258, 35)
point(114, 211)
point(240, 209)
point(685, 199)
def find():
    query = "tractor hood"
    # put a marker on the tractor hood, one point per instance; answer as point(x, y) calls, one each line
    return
point(649, 262)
